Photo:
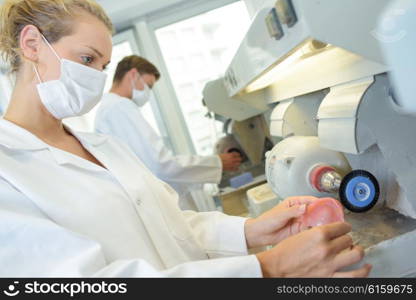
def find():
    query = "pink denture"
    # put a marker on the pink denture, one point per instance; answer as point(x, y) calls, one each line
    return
point(321, 212)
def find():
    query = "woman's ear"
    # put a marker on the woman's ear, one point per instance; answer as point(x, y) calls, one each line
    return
point(30, 43)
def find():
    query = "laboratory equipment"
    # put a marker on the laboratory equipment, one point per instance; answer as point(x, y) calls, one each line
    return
point(246, 131)
point(334, 83)
point(260, 199)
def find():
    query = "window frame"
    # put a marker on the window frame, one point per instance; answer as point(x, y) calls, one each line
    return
point(146, 34)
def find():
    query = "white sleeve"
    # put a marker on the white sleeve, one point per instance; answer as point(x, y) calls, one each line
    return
point(219, 234)
point(128, 125)
point(32, 245)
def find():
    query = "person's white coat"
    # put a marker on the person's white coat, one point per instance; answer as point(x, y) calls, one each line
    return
point(120, 117)
point(64, 216)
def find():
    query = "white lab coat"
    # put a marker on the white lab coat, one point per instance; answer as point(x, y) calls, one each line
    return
point(63, 216)
point(120, 117)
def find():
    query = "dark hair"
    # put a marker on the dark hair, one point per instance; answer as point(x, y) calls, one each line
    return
point(142, 65)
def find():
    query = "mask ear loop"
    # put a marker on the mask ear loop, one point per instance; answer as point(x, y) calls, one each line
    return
point(37, 73)
point(133, 86)
point(53, 51)
point(146, 87)
point(50, 46)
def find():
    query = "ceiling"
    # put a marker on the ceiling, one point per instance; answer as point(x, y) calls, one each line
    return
point(123, 12)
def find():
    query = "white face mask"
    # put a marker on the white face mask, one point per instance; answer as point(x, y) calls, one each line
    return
point(75, 93)
point(140, 97)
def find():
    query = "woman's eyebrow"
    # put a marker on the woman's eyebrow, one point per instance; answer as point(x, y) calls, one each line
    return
point(95, 50)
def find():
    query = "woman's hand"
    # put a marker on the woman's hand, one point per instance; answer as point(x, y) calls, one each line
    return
point(278, 223)
point(319, 252)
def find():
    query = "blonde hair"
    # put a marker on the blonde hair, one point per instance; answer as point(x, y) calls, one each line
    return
point(53, 18)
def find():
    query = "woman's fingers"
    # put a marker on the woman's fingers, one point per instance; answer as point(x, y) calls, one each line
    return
point(279, 218)
point(349, 257)
point(335, 230)
point(293, 212)
point(340, 244)
point(359, 273)
point(299, 200)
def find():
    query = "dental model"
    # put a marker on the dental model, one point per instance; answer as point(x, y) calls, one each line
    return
point(322, 212)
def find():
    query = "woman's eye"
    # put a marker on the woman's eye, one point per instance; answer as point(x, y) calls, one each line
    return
point(87, 60)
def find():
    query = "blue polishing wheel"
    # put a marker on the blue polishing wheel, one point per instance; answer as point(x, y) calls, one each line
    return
point(359, 191)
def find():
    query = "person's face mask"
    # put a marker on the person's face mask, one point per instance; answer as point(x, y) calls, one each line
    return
point(75, 93)
point(140, 97)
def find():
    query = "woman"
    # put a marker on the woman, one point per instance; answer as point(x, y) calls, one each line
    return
point(76, 204)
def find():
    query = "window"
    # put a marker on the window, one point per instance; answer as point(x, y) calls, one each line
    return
point(198, 50)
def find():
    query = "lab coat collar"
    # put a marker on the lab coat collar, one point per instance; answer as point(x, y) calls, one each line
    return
point(110, 97)
point(93, 139)
point(15, 137)
point(89, 141)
